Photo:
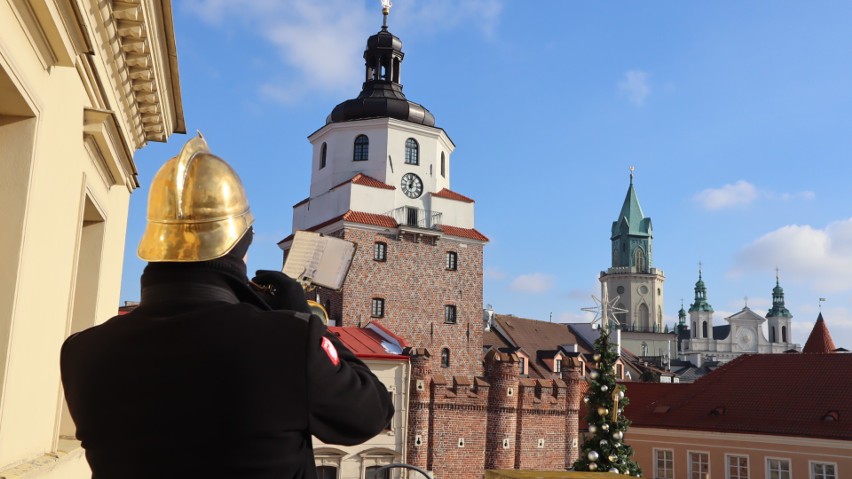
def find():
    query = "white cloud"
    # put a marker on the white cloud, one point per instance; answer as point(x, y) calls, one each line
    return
point(494, 273)
point(532, 283)
point(740, 193)
point(324, 41)
point(821, 258)
point(636, 86)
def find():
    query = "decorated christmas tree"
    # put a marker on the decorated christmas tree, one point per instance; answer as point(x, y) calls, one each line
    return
point(604, 449)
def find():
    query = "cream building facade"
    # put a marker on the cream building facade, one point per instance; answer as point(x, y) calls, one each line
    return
point(83, 85)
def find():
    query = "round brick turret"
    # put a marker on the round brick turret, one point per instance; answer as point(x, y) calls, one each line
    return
point(420, 398)
point(574, 395)
point(502, 372)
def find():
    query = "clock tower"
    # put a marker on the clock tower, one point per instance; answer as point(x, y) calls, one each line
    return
point(632, 277)
point(380, 177)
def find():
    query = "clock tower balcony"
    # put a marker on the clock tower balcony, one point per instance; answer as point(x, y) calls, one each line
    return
point(419, 218)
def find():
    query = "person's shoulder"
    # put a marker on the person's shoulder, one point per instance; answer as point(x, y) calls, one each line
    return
point(252, 310)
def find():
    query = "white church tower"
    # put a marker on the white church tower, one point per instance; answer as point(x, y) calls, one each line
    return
point(380, 177)
point(632, 277)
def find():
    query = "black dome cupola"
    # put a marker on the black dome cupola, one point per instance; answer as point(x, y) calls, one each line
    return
point(381, 94)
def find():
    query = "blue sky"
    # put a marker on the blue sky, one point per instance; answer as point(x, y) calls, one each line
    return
point(735, 115)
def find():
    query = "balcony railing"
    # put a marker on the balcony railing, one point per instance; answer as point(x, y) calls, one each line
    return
point(416, 217)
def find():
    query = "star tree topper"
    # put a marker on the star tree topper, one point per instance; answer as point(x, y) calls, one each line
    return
point(606, 308)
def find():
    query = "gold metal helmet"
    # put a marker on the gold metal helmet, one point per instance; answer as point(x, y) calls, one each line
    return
point(197, 208)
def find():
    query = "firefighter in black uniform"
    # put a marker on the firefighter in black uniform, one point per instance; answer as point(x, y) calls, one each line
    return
point(208, 378)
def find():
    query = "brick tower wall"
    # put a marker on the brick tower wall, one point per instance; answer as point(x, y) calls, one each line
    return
point(419, 409)
point(502, 373)
point(572, 414)
point(541, 432)
point(459, 414)
point(416, 285)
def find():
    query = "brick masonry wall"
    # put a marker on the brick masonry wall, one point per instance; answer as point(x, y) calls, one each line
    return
point(459, 417)
point(502, 372)
point(482, 413)
point(541, 431)
point(416, 285)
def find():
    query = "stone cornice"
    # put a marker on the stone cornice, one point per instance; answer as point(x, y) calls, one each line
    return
point(146, 59)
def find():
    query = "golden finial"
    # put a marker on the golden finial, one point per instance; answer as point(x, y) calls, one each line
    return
point(386, 5)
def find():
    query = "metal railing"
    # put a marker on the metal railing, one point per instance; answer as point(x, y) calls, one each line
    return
point(415, 217)
point(402, 466)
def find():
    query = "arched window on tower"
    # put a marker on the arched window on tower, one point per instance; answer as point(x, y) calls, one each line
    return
point(323, 153)
point(412, 152)
point(783, 334)
point(659, 324)
point(772, 334)
point(445, 357)
point(621, 317)
point(443, 165)
point(704, 329)
point(644, 318)
point(362, 148)
point(639, 259)
point(694, 330)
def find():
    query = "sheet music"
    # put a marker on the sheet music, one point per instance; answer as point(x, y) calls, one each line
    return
point(321, 260)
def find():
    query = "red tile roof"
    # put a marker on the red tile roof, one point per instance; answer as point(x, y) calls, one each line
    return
point(365, 343)
point(362, 179)
point(469, 233)
point(353, 217)
point(370, 219)
point(775, 394)
point(820, 339)
point(452, 195)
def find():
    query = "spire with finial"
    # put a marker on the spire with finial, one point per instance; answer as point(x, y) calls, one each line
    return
point(700, 303)
point(386, 5)
point(632, 169)
point(681, 315)
point(778, 310)
point(381, 93)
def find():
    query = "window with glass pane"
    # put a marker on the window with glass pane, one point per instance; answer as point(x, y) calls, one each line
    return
point(445, 357)
point(664, 464)
point(323, 153)
point(412, 152)
point(737, 467)
point(326, 472)
point(378, 308)
point(557, 366)
point(362, 148)
point(452, 260)
point(699, 465)
point(823, 470)
point(449, 314)
point(371, 473)
point(778, 468)
point(380, 251)
point(443, 166)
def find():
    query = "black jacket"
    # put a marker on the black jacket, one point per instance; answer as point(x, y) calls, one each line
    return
point(199, 382)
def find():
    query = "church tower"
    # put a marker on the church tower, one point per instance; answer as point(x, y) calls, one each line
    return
point(380, 177)
point(700, 312)
point(638, 284)
point(779, 319)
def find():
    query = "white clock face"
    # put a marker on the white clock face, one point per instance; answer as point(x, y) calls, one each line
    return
point(746, 339)
point(412, 185)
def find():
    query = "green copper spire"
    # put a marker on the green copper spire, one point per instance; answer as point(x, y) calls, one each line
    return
point(632, 234)
point(778, 309)
point(700, 303)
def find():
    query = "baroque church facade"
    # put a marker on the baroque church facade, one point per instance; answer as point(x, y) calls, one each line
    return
point(743, 332)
